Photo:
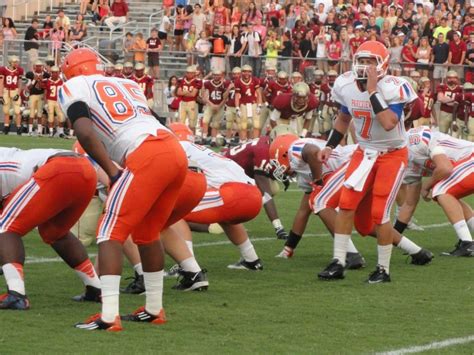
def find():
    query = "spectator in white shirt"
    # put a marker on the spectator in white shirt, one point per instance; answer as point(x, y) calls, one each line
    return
point(198, 19)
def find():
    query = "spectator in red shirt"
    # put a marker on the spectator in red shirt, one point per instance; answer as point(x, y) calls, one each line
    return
point(409, 56)
point(357, 40)
point(119, 10)
point(334, 51)
point(457, 54)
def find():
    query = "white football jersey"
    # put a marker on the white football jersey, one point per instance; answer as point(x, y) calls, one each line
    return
point(217, 168)
point(339, 156)
point(423, 143)
point(119, 111)
point(17, 166)
point(370, 134)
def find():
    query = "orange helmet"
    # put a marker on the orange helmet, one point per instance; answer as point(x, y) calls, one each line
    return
point(370, 49)
point(182, 132)
point(81, 61)
point(77, 148)
point(279, 155)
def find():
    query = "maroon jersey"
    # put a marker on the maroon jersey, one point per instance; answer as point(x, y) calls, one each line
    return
point(52, 87)
point(119, 75)
point(216, 90)
point(283, 104)
point(466, 101)
point(449, 92)
point(11, 77)
point(231, 98)
point(274, 89)
point(247, 90)
point(186, 85)
point(428, 101)
point(327, 96)
point(146, 84)
point(253, 156)
point(315, 89)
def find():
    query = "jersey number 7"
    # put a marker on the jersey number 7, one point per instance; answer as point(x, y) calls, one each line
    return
point(366, 124)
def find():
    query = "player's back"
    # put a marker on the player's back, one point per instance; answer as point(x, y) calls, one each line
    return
point(252, 156)
point(118, 108)
point(217, 168)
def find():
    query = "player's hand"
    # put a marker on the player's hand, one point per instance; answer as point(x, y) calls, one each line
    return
point(281, 233)
point(372, 79)
point(16, 97)
point(259, 108)
point(237, 112)
point(324, 154)
point(115, 178)
point(425, 192)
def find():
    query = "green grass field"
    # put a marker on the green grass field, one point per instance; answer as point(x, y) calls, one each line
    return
point(283, 309)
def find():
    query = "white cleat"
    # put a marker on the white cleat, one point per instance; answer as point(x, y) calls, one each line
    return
point(286, 253)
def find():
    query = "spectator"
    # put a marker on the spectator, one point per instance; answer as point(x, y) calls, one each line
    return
point(83, 7)
point(128, 47)
point(439, 57)
point(48, 25)
point(179, 29)
point(373, 25)
point(272, 46)
point(327, 5)
point(409, 56)
point(220, 47)
point(170, 93)
point(334, 51)
point(190, 39)
point(253, 14)
point(346, 51)
point(198, 19)
point(468, 27)
point(273, 16)
point(139, 48)
point(395, 56)
point(254, 47)
point(165, 28)
point(399, 27)
point(285, 54)
point(470, 59)
point(235, 16)
point(321, 12)
point(8, 29)
point(168, 4)
point(457, 54)
point(221, 14)
point(31, 45)
point(306, 52)
point(101, 11)
point(62, 21)
point(442, 28)
point(188, 14)
point(429, 29)
point(77, 32)
point(203, 48)
point(290, 18)
point(321, 50)
point(153, 48)
point(235, 48)
point(261, 29)
point(356, 41)
point(423, 55)
point(392, 16)
point(119, 11)
point(58, 35)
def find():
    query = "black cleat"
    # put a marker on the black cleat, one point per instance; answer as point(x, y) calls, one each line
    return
point(463, 248)
point(141, 315)
point(136, 287)
point(354, 261)
point(14, 300)
point(423, 257)
point(281, 233)
point(379, 276)
point(92, 294)
point(192, 281)
point(334, 271)
point(247, 265)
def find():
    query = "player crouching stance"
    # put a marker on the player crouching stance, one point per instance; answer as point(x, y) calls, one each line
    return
point(375, 101)
point(113, 123)
point(48, 189)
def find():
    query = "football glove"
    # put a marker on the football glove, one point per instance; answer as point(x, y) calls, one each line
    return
point(281, 233)
point(16, 97)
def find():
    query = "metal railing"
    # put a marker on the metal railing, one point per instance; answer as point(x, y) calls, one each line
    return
point(16, 4)
point(161, 12)
point(122, 27)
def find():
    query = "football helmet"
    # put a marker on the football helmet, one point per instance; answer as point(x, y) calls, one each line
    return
point(296, 77)
point(282, 78)
point(370, 49)
point(109, 69)
point(279, 158)
point(127, 68)
point(14, 61)
point(54, 72)
point(300, 96)
point(332, 75)
point(139, 70)
point(452, 78)
point(468, 86)
point(182, 132)
point(318, 76)
point(38, 67)
point(246, 72)
point(81, 61)
point(217, 75)
point(191, 72)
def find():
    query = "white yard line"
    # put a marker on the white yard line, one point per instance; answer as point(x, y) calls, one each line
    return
point(431, 346)
point(43, 260)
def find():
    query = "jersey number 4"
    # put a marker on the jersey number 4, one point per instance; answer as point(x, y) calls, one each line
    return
point(366, 116)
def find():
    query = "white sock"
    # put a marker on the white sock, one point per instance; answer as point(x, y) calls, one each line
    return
point(462, 231)
point(40, 129)
point(214, 139)
point(60, 130)
point(189, 243)
point(13, 273)
point(277, 224)
point(71, 132)
point(190, 264)
point(154, 291)
point(341, 242)
point(247, 251)
point(408, 246)
point(30, 128)
point(110, 286)
point(87, 274)
point(470, 223)
point(384, 255)
point(138, 268)
point(351, 248)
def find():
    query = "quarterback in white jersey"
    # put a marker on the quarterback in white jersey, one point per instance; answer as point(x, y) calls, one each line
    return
point(375, 103)
point(449, 163)
point(113, 123)
point(48, 189)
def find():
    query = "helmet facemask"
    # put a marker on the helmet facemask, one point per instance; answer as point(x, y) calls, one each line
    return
point(362, 62)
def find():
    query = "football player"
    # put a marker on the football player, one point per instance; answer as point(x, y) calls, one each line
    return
point(450, 164)
point(468, 111)
point(188, 90)
point(276, 88)
point(446, 95)
point(230, 109)
point(48, 189)
point(315, 89)
point(296, 78)
point(109, 69)
point(428, 99)
point(115, 126)
point(118, 70)
point(215, 96)
point(270, 77)
point(128, 70)
point(51, 95)
point(375, 102)
point(248, 102)
point(145, 82)
point(295, 109)
point(11, 76)
point(36, 82)
point(329, 109)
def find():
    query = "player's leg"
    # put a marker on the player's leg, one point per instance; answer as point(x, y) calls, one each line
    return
point(130, 250)
point(243, 122)
point(192, 115)
point(205, 123)
point(230, 118)
point(17, 110)
point(33, 105)
point(257, 125)
point(468, 215)
point(6, 111)
point(215, 125)
point(239, 237)
point(444, 121)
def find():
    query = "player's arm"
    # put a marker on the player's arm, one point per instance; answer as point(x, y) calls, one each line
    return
point(80, 117)
point(310, 156)
point(408, 208)
point(339, 130)
point(444, 99)
point(263, 183)
point(259, 95)
point(306, 123)
point(274, 117)
point(443, 168)
point(237, 101)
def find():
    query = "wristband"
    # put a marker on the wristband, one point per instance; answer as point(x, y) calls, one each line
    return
point(113, 179)
point(335, 137)
point(293, 240)
point(400, 226)
point(378, 103)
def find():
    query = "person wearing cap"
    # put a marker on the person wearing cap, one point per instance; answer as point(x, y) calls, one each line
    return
point(439, 58)
point(153, 48)
point(52, 86)
point(188, 90)
point(145, 82)
point(230, 109)
point(468, 110)
point(11, 76)
point(128, 70)
point(446, 95)
point(427, 96)
point(457, 54)
point(36, 81)
point(118, 70)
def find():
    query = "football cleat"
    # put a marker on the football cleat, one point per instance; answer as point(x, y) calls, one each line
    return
point(286, 253)
point(281, 233)
point(95, 322)
point(174, 271)
point(354, 261)
point(141, 315)
point(14, 300)
point(92, 294)
point(378, 276)
point(192, 281)
point(136, 287)
point(413, 226)
point(423, 257)
point(247, 265)
point(463, 248)
point(334, 271)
